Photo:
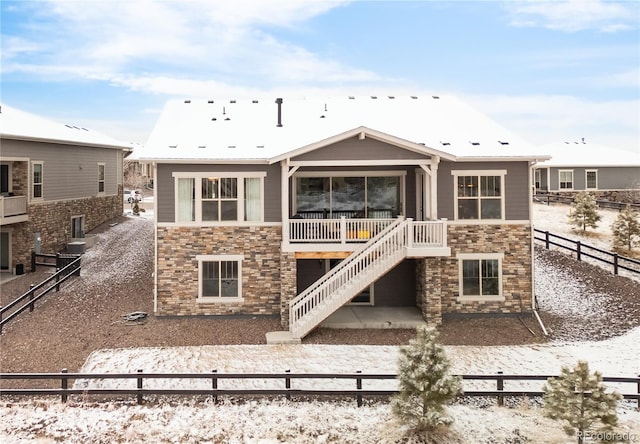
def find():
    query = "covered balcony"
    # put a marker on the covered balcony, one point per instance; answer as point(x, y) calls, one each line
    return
point(13, 209)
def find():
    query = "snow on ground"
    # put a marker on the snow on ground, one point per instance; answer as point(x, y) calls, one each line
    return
point(278, 420)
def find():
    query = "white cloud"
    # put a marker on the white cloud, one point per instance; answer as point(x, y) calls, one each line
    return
point(555, 118)
point(575, 15)
point(210, 40)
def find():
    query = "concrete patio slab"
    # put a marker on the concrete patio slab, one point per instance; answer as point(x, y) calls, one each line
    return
point(353, 316)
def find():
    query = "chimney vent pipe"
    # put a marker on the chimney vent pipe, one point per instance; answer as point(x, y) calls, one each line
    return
point(279, 102)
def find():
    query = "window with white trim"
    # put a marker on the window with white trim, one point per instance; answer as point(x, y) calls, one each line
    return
point(101, 168)
point(37, 180)
point(479, 194)
point(565, 178)
point(591, 179)
point(211, 197)
point(480, 276)
point(219, 277)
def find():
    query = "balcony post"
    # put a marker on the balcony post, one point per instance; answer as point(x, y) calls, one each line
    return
point(343, 230)
point(410, 232)
point(444, 231)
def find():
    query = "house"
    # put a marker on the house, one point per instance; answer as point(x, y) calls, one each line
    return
point(295, 207)
point(606, 172)
point(57, 181)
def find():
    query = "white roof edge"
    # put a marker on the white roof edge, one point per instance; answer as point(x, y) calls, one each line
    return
point(502, 158)
point(207, 161)
point(377, 135)
point(64, 141)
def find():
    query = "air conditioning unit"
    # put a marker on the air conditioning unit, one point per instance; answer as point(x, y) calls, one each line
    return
point(76, 247)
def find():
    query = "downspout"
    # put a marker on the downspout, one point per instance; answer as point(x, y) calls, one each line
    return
point(155, 238)
point(533, 280)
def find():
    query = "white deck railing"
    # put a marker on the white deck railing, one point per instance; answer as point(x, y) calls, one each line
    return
point(13, 205)
point(341, 230)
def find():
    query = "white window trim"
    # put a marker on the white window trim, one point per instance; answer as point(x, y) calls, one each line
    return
point(221, 258)
point(480, 256)
point(329, 174)
point(537, 179)
point(586, 181)
point(198, 196)
point(501, 173)
point(104, 181)
point(32, 183)
point(573, 180)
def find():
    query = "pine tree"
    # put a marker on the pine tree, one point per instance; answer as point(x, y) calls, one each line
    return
point(425, 383)
point(578, 399)
point(584, 211)
point(626, 229)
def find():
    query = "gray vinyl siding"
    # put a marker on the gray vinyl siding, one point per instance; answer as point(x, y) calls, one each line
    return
point(165, 186)
point(609, 178)
point(69, 171)
point(356, 149)
point(516, 187)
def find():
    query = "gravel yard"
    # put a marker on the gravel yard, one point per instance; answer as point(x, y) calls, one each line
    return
point(86, 315)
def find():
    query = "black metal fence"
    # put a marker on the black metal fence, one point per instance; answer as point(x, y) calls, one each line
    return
point(617, 261)
point(286, 390)
point(69, 266)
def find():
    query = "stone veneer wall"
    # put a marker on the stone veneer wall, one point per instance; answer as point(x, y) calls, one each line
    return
point(53, 221)
point(263, 264)
point(438, 288)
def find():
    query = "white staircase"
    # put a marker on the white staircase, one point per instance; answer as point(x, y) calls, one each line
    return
point(350, 277)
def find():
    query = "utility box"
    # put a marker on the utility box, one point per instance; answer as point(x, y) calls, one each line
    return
point(76, 247)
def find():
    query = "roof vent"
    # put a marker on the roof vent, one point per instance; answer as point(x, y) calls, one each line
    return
point(227, 118)
point(279, 103)
point(68, 126)
point(187, 101)
point(214, 118)
point(421, 143)
point(322, 116)
point(445, 143)
point(254, 101)
point(392, 97)
point(202, 146)
point(503, 143)
point(351, 97)
point(209, 101)
point(374, 97)
point(414, 97)
point(173, 146)
point(260, 146)
point(475, 143)
point(231, 146)
point(435, 97)
point(232, 101)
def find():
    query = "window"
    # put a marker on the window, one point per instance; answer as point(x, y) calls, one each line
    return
point(219, 278)
point(479, 194)
point(591, 179)
point(101, 167)
point(216, 198)
point(37, 180)
point(77, 227)
point(5, 178)
point(481, 276)
point(566, 179)
point(349, 195)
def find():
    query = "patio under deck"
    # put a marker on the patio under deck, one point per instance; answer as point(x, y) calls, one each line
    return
point(355, 316)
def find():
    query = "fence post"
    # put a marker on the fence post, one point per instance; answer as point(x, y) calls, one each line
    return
point(500, 387)
point(287, 384)
point(64, 383)
point(639, 392)
point(33, 261)
point(139, 395)
point(578, 250)
point(31, 307)
point(359, 387)
point(546, 239)
point(615, 263)
point(214, 385)
point(57, 270)
point(0, 320)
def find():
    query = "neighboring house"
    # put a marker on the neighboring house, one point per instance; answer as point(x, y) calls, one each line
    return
point(606, 172)
point(297, 207)
point(137, 174)
point(57, 181)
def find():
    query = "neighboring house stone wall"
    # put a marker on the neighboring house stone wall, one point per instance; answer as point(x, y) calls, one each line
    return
point(53, 221)
point(262, 269)
point(438, 286)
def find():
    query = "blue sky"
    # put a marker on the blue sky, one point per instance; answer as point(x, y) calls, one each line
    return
point(551, 71)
